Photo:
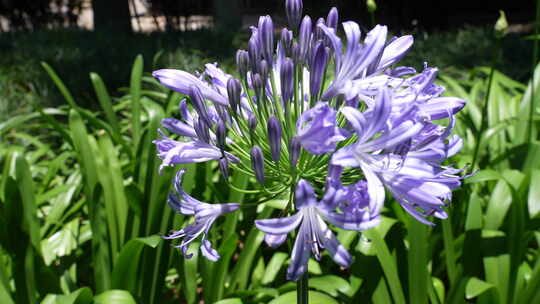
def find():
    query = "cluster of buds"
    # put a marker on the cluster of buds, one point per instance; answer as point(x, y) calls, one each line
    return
point(327, 124)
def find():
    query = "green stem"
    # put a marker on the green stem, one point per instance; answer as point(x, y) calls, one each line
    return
point(302, 290)
point(372, 18)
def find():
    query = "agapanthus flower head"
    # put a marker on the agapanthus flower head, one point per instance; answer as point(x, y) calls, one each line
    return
point(311, 113)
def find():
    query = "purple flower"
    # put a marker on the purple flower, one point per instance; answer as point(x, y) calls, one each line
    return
point(360, 202)
point(313, 235)
point(357, 57)
point(182, 82)
point(176, 152)
point(287, 80)
point(178, 127)
point(274, 137)
point(257, 163)
point(317, 129)
point(362, 61)
point(293, 9)
point(204, 214)
point(266, 36)
point(318, 64)
point(407, 161)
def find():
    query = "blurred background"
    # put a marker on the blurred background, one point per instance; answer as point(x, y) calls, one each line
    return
point(82, 205)
point(83, 36)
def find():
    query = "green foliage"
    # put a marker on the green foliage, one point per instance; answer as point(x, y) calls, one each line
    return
point(82, 206)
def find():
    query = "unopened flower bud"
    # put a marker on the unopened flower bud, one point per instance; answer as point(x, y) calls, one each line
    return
point(319, 33)
point(294, 150)
point(197, 100)
point(287, 79)
point(266, 38)
point(252, 122)
point(274, 137)
point(295, 53)
point(304, 39)
point(333, 18)
point(224, 167)
point(371, 6)
point(263, 70)
point(293, 10)
point(318, 65)
point(501, 25)
point(257, 163)
point(202, 130)
point(221, 134)
point(223, 114)
point(257, 84)
point(242, 63)
point(233, 92)
point(286, 40)
point(254, 50)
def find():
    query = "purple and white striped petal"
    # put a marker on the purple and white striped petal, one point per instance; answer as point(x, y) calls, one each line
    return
point(394, 51)
point(280, 225)
point(181, 81)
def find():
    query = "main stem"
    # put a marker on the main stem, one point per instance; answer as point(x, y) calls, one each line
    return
point(302, 290)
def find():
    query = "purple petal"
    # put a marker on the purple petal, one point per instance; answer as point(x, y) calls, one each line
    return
point(351, 222)
point(395, 51)
point(375, 190)
point(304, 194)
point(178, 127)
point(280, 225)
point(299, 257)
point(274, 240)
point(442, 107)
point(328, 240)
point(336, 43)
point(355, 118)
point(379, 115)
point(318, 131)
point(182, 81)
point(344, 157)
point(396, 136)
point(209, 252)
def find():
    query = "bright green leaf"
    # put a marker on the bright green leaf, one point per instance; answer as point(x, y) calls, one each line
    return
point(476, 287)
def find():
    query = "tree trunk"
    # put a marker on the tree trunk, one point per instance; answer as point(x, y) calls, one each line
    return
point(112, 15)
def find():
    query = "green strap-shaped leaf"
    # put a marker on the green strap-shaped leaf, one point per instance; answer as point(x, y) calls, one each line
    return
point(498, 205)
point(388, 264)
point(418, 261)
point(476, 287)
point(221, 267)
point(114, 296)
point(331, 284)
point(241, 271)
point(274, 266)
point(533, 201)
point(60, 85)
point(105, 101)
point(314, 298)
point(135, 90)
point(126, 273)
point(79, 296)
